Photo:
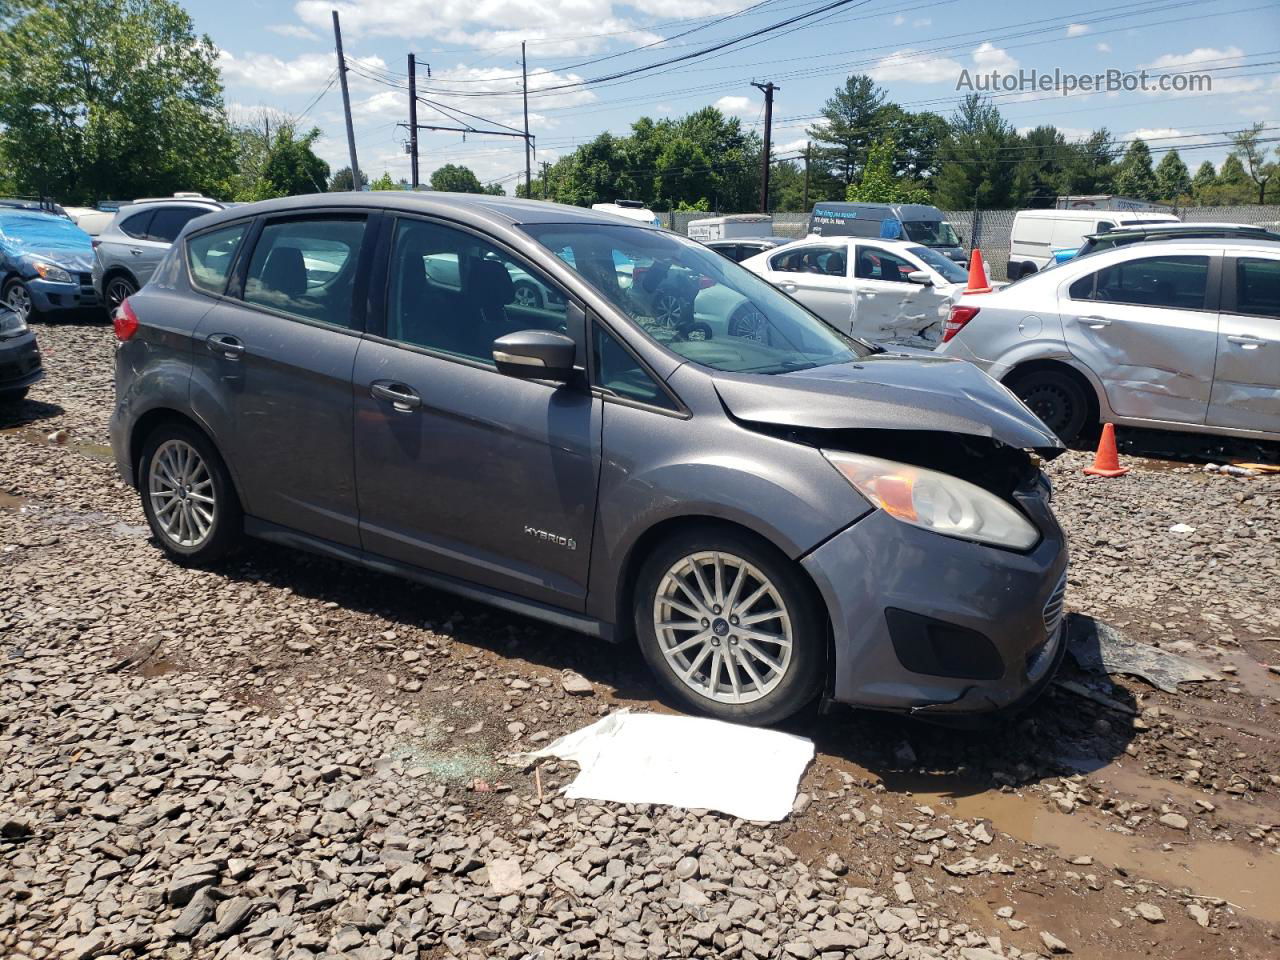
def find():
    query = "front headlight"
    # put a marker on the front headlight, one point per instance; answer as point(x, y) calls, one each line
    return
point(11, 324)
point(935, 501)
point(50, 272)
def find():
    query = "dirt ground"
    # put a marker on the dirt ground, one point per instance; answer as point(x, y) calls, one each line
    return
point(1120, 820)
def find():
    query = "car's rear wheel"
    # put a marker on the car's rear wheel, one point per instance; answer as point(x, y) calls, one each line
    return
point(730, 627)
point(187, 495)
point(17, 297)
point(117, 290)
point(1055, 397)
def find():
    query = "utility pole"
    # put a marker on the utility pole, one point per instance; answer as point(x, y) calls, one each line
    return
point(413, 123)
point(346, 103)
point(807, 148)
point(545, 167)
point(768, 89)
point(528, 167)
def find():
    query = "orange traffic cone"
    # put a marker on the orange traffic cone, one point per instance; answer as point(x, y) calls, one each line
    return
point(1106, 462)
point(977, 274)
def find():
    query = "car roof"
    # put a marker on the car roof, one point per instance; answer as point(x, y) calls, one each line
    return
point(496, 210)
point(1172, 227)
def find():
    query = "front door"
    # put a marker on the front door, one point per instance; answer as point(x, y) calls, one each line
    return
point(889, 305)
point(272, 373)
point(1146, 327)
point(463, 470)
point(1246, 381)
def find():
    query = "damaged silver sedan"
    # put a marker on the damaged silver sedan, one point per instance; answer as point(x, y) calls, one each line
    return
point(1177, 335)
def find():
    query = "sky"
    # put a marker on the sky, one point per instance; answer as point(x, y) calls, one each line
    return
point(281, 55)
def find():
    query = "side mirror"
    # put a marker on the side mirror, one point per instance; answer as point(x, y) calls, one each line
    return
point(535, 355)
point(921, 277)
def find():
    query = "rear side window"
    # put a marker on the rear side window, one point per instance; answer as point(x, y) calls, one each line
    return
point(1258, 287)
point(825, 260)
point(1175, 282)
point(210, 256)
point(617, 370)
point(168, 222)
point(137, 225)
point(307, 268)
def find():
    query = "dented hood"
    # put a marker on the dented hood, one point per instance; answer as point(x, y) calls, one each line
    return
point(889, 392)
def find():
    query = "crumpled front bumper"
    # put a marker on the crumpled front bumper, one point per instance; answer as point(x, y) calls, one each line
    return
point(47, 295)
point(930, 624)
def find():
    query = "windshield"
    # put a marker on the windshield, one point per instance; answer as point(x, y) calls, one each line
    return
point(933, 233)
point(950, 270)
point(696, 302)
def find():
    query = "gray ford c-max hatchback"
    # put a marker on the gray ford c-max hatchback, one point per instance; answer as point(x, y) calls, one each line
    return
point(773, 511)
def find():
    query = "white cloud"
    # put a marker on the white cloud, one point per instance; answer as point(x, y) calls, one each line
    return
point(791, 146)
point(899, 20)
point(306, 73)
point(734, 105)
point(1210, 58)
point(1072, 134)
point(1077, 29)
point(1200, 57)
point(913, 66)
point(293, 30)
point(1103, 47)
point(990, 57)
point(922, 22)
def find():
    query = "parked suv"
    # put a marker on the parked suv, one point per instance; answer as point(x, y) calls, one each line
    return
point(1175, 334)
point(1121, 236)
point(774, 517)
point(128, 251)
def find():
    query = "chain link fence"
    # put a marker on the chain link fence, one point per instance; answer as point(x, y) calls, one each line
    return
point(991, 229)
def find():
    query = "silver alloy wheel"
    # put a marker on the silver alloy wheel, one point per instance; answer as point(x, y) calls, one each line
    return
point(527, 296)
point(749, 323)
point(669, 310)
point(19, 301)
point(182, 495)
point(723, 627)
point(118, 290)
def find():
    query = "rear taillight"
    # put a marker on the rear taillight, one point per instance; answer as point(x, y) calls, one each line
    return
point(956, 321)
point(125, 321)
point(95, 242)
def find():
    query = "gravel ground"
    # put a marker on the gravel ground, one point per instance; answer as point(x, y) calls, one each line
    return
point(287, 757)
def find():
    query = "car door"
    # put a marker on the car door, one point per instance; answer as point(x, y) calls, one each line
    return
point(272, 369)
point(1246, 380)
point(462, 470)
point(162, 229)
point(1147, 326)
point(889, 304)
point(817, 275)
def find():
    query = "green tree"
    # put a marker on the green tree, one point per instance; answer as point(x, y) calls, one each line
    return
point(454, 178)
point(851, 119)
point(291, 167)
point(1204, 180)
point(1135, 178)
point(384, 182)
point(1173, 179)
point(977, 159)
point(110, 98)
point(1090, 165)
point(1042, 157)
point(341, 181)
point(878, 184)
point(494, 190)
point(1252, 156)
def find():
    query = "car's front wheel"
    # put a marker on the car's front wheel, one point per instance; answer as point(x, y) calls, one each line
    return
point(17, 297)
point(1056, 398)
point(117, 290)
point(527, 295)
point(730, 627)
point(187, 495)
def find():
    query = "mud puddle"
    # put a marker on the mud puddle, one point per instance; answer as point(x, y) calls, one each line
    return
point(72, 519)
point(9, 502)
point(1232, 871)
point(94, 451)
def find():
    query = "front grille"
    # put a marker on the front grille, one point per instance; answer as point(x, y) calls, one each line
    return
point(1054, 605)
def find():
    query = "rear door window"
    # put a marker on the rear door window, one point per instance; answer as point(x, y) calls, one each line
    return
point(829, 261)
point(1258, 287)
point(307, 268)
point(137, 225)
point(210, 256)
point(1177, 283)
point(168, 222)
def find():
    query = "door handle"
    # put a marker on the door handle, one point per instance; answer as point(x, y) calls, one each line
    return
point(1247, 341)
point(789, 287)
point(224, 343)
point(1096, 323)
point(135, 251)
point(399, 395)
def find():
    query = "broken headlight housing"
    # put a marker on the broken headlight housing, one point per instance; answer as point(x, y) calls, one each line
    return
point(936, 501)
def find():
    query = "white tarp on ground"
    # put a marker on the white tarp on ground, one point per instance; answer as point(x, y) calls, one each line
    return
point(685, 762)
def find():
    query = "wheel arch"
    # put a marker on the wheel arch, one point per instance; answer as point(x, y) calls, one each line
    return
point(1092, 389)
point(147, 423)
point(113, 272)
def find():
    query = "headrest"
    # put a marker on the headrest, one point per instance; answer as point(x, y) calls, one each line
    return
point(285, 272)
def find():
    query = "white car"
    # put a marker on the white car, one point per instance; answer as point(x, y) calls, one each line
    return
point(1176, 334)
point(1039, 236)
point(879, 290)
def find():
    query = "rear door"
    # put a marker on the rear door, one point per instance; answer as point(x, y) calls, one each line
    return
point(1246, 381)
point(1148, 328)
point(272, 370)
point(462, 470)
point(817, 274)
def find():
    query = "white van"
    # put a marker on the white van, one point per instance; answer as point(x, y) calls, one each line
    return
point(733, 227)
point(1039, 234)
point(631, 209)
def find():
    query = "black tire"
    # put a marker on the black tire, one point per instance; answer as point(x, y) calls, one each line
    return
point(1027, 270)
point(11, 398)
point(697, 331)
point(1013, 271)
point(802, 679)
point(1055, 397)
point(115, 290)
point(16, 295)
point(227, 527)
